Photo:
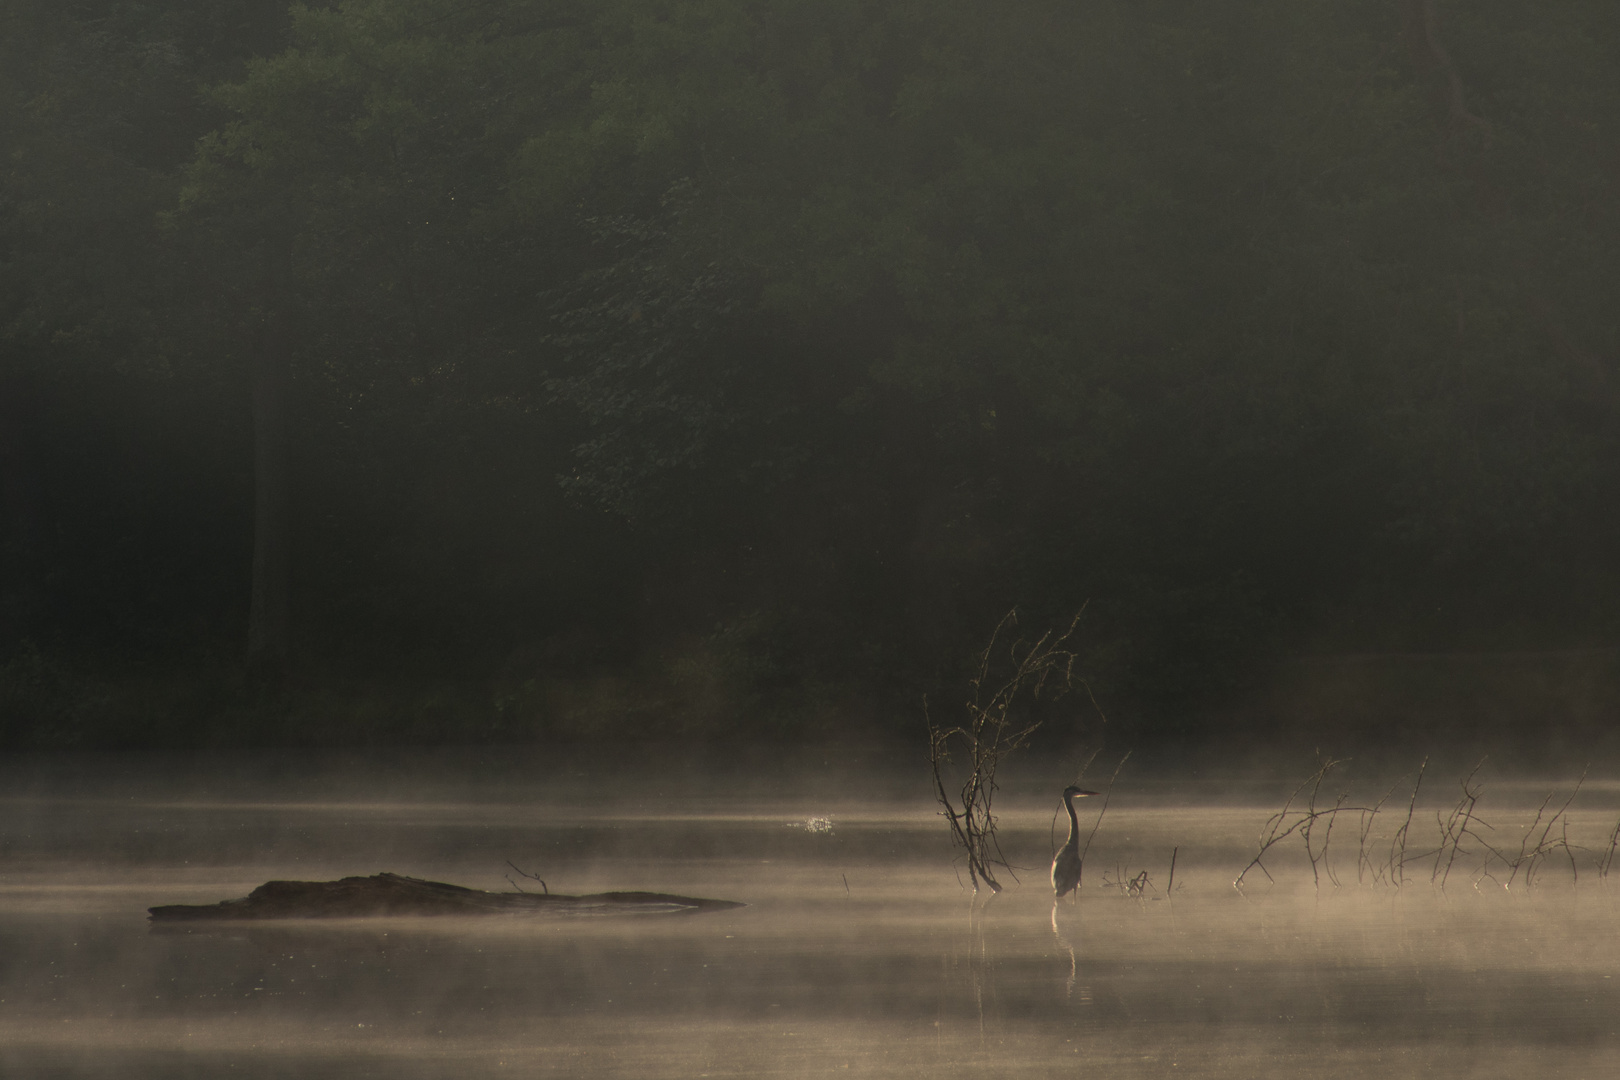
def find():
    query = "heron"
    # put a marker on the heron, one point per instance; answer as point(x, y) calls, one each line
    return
point(1066, 867)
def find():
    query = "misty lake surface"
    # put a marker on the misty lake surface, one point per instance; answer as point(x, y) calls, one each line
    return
point(859, 953)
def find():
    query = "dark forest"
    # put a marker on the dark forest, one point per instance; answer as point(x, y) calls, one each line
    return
point(481, 371)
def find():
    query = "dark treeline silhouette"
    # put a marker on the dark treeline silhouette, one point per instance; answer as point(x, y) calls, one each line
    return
point(395, 370)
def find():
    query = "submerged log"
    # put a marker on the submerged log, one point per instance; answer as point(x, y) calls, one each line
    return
point(391, 894)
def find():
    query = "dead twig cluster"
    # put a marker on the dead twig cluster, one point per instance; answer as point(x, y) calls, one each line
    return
point(1135, 887)
point(1532, 856)
point(1457, 827)
point(1139, 886)
point(1461, 837)
point(1305, 823)
point(990, 731)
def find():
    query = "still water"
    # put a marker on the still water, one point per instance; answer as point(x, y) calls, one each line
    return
point(860, 953)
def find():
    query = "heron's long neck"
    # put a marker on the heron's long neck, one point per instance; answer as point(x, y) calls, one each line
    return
point(1074, 822)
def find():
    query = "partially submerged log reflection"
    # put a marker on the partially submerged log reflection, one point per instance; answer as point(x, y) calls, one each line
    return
point(392, 895)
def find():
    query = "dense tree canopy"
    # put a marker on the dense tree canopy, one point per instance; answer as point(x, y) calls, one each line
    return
point(730, 362)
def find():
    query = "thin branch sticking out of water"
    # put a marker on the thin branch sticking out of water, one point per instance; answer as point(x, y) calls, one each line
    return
point(1103, 809)
point(1397, 845)
point(1364, 863)
point(524, 873)
point(1606, 859)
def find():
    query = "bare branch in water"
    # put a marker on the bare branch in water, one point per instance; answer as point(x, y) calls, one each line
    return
point(1288, 822)
point(989, 731)
point(1107, 793)
point(524, 873)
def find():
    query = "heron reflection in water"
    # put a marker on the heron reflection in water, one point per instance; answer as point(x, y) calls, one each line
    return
point(1066, 867)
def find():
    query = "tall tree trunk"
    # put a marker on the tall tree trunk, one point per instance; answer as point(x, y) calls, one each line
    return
point(269, 613)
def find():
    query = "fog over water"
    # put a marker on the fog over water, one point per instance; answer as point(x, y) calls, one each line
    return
point(860, 953)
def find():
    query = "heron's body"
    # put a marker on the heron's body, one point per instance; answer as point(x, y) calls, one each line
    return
point(1066, 867)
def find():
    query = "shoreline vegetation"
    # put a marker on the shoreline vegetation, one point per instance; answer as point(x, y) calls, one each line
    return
point(1554, 704)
